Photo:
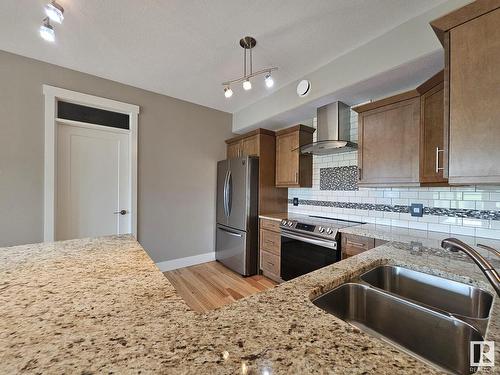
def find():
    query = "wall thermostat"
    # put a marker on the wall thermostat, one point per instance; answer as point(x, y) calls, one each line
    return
point(303, 88)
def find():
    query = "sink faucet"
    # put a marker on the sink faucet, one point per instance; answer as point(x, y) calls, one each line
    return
point(455, 245)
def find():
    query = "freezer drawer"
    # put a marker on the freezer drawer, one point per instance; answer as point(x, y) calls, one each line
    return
point(234, 251)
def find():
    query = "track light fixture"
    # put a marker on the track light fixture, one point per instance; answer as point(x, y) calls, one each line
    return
point(47, 31)
point(248, 43)
point(54, 11)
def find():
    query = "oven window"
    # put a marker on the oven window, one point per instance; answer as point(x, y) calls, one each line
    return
point(299, 258)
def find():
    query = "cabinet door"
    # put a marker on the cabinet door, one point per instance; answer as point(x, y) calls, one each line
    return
point(353, 245)
point(389, 144)
point(233, 150)
point(287, 159)
point(250, 146)
point(432, 134)
point(474, 134)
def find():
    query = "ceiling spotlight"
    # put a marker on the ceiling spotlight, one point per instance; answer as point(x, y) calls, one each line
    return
point(269, 80)
point(54, 11)
point(228, 92)
point(47, 31)
point(247, 85)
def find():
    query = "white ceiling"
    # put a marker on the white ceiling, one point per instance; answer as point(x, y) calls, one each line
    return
point(186, 48)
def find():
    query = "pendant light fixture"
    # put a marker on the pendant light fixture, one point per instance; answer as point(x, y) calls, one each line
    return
point(248, 43)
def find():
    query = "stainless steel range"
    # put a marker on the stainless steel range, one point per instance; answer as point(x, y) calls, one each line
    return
point(309, 243)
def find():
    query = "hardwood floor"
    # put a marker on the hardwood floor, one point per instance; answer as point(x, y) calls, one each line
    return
point(210, 285)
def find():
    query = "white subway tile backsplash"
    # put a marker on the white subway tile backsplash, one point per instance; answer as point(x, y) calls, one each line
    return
point(439, 228)
point(476, 223)
point(463, 205)
point(452, 196)
point(417, 225)
point(476, 196)
point(428, 195)
point(493, 206)
point(464, 231)
point(488, 233)
point(391, 194)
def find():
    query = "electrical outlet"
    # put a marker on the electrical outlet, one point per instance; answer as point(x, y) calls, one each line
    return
point(295, 201)
point(417, 209)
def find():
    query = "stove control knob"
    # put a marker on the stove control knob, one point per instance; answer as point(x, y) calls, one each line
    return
point(321, 229)
point(329, 230)
point(290, 223)
point(283, 222)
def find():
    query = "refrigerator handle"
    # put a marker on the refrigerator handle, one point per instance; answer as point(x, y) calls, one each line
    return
point(229, 193)
point(230, 233)
point(225, 194)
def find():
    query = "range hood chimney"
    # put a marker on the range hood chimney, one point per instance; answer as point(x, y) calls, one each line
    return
point(334, 131)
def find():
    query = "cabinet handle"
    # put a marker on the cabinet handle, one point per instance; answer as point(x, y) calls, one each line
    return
point(359, 174)
point(296, 176)
point(437, 160)
point(356, 244)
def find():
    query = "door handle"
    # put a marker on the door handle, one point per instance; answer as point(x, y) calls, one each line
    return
point(122, 212)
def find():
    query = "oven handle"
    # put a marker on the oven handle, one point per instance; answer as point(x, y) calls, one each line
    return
point(314, 241)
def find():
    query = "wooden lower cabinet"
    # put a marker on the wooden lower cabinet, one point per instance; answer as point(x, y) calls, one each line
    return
point(270, 249)
point(352, 244)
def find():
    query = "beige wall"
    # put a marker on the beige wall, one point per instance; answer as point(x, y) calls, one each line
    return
point(179, 145)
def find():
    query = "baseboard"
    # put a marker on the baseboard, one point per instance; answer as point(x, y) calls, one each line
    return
point(173, 264)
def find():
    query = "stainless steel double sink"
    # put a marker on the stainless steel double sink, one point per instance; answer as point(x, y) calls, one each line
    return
point(431, 317)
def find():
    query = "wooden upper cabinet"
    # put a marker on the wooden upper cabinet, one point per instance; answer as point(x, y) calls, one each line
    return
point(389, 142)
point(234, 150)
point(250, 146)
point(401, 138)
point(471, 38)
point(292, 168)
point(432, 132)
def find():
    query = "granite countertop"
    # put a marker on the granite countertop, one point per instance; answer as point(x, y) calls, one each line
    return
point(101, 305)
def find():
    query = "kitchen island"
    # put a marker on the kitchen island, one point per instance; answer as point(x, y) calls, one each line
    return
point(101, 306)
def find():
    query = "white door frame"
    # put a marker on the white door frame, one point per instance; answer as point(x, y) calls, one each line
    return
point(52, 95)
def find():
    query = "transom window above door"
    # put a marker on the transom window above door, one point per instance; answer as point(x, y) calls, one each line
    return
point(91, 115)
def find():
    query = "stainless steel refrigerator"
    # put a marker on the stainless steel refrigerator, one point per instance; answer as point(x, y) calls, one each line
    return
point(237, 214)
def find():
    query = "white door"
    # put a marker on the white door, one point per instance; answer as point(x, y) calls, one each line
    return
point(93, 181)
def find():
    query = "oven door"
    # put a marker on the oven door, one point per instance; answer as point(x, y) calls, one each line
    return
point(301, 254)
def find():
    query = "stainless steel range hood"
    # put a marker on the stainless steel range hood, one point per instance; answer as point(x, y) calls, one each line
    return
point(334, 131)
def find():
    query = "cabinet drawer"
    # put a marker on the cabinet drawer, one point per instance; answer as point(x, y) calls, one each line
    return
point(354, 245)
point(270, 263)
point(273, 225)
point(270, 242)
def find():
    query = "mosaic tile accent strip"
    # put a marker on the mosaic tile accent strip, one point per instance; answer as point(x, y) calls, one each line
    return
point(462, 213)
point(338, 178)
